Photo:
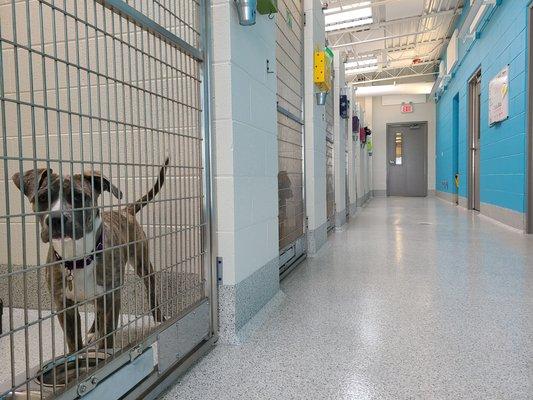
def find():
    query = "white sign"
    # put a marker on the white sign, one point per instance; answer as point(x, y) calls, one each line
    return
point(499, 97)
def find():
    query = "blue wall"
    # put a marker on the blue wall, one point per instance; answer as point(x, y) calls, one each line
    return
point(502, 41)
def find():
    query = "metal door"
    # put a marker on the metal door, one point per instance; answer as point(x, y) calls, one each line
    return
point(104, 204)
point(289, 59)
point(407, 159)
point(474, 138)
point(330, 163)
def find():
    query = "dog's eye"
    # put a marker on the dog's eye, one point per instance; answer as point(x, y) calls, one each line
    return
point(43, 198)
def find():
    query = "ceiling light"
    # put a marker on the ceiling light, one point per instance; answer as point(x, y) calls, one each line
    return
point(350, 24)
point(346, 7)
point(360, 63)
point(361, 70)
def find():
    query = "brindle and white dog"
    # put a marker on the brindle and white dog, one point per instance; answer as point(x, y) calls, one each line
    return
point(89, 248)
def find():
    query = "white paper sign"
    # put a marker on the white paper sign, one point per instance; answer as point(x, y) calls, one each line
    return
point(499, 97)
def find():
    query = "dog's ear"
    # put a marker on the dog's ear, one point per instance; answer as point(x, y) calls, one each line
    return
point(101, 183)
point(31, 181)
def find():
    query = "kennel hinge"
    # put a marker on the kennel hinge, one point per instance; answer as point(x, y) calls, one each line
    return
point(135, 352)
point(87, 385)
point(220, 265)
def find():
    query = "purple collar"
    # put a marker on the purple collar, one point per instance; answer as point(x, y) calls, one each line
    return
point(80, 263)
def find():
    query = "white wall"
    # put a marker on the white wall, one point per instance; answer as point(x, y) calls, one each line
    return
point(382, 115)
point(339, 131)
point(315, 125)
point(245, 142)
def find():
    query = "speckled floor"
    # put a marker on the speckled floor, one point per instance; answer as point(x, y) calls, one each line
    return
point(414, 299)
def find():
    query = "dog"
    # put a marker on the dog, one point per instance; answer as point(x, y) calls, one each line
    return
point(88, 248)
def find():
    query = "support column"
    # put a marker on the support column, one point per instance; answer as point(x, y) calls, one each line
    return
point(339, 133)
point(352, 174)
point(315, 131)
point(245, 153)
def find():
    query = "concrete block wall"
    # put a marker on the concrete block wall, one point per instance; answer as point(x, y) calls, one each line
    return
point(315, 131)
point(245, 165)
point(503, 41)
point(340, 127)
point(363, 161)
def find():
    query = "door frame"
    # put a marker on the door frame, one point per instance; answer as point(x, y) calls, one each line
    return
point(455, 147)
point(529, 127)
point(472, 173)
point(390, 126)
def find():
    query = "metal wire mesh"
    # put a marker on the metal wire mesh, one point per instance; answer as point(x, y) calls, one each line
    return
point(92, 105)
point(289, 58)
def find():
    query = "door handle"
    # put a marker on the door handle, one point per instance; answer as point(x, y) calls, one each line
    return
point(391, 162)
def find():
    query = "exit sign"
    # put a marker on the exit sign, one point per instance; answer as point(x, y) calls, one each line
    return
point(407, 108)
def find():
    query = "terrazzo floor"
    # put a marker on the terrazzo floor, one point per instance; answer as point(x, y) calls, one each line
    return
point(413, 299)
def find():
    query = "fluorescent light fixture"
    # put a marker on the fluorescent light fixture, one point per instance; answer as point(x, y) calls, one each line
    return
point(350, 24)
point(405, 88)
point(348, 17)
point(361, 70)
point(360, 63)
point(346, 7)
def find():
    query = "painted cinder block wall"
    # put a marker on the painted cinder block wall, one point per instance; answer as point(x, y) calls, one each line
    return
point(245, 172)
point(503, 41)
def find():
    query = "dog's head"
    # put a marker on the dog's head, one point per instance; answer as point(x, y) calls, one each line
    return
point(69, 202)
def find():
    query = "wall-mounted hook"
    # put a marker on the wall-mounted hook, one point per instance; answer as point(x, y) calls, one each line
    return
point(269, 71)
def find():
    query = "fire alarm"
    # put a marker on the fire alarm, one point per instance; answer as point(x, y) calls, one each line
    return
point(407, 108)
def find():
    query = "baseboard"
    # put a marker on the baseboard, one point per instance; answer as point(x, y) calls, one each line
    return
point(316, 238)
point(511, 218)
point(239, 303)
point(340, 218)
point(506, 216)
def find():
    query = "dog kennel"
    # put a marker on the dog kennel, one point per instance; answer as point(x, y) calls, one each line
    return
point(95, 96)
point(291, 190)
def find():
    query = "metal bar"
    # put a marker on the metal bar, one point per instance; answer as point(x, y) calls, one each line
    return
point(130, 13)
point(290, 115)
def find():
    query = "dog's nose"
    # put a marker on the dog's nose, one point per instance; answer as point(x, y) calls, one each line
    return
point(54, 219)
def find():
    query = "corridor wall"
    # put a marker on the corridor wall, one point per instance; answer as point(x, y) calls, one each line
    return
point(502, 42)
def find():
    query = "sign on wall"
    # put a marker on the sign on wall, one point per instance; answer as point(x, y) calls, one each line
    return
point(407, 108)
point(499, 97)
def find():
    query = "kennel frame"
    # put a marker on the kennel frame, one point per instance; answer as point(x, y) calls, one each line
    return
point(201, 55)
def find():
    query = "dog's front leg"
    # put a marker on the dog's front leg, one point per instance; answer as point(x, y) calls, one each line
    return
point(107, 319)
point(70, 322)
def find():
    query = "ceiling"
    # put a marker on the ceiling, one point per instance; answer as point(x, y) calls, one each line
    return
point(390, 40)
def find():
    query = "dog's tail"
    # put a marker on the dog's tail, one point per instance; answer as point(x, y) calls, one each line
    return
point(134, 208)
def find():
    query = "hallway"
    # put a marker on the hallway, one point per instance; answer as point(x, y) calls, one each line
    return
point(413, 299)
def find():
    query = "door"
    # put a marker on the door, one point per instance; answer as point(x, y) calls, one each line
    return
point(455, 164)
point(291, 191)
point(407, 159)
point(474, 142)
